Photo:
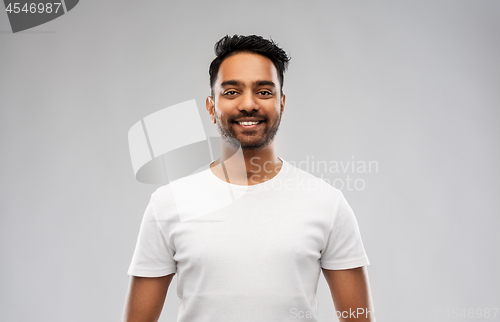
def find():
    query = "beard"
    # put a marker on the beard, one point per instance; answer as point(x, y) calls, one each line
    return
point(248, 142)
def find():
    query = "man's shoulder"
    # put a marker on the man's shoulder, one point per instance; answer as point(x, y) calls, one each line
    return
point(310, 182)
point(187, 185)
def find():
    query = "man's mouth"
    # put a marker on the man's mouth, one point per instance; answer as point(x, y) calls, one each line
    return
point(248, 125)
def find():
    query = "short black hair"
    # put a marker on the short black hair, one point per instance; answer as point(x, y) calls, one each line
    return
point(228, 46)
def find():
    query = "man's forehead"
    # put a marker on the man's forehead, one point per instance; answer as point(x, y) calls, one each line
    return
point(246, 68)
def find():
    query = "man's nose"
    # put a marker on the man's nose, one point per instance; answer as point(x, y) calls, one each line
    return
point(248, 102)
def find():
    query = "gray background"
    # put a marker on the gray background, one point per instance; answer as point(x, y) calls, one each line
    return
point(412, 85)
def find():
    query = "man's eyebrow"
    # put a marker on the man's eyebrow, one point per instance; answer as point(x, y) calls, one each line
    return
point(234, 82)
point(230, 82)
point(264, 82)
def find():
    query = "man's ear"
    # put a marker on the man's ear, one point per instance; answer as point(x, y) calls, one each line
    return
point(210, 108)
point(282, 103)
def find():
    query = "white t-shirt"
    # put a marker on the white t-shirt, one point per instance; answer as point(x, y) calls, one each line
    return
point(247, 253)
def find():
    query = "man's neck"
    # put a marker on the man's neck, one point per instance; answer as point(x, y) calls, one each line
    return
point(247, 167)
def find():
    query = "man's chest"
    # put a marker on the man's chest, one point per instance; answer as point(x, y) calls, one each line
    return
point(252, 236)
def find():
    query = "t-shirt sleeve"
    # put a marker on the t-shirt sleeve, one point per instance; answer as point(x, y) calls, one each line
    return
point(153, 257)
point(344, 248)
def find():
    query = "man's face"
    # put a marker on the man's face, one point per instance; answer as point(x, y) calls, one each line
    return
point(247, 89)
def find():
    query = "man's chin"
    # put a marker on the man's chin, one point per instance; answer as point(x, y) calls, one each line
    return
point(246, 145)
point(254, 145)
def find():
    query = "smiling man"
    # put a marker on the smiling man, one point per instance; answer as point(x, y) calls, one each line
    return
point(247, 91)
point(258, 257)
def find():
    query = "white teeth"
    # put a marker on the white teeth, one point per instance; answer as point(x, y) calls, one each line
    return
point(248, 123)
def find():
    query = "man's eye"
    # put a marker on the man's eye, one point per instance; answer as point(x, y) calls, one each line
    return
point(266, 93)
point(230, 93)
